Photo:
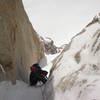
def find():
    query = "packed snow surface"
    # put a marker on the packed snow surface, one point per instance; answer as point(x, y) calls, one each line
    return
point(20, 91)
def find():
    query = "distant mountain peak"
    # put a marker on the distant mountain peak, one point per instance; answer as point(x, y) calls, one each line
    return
point(96, 18)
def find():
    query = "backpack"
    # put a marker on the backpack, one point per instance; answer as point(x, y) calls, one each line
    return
point(38, 68)
point(33, 69)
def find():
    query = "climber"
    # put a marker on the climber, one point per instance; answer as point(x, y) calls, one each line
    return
point(37, 75)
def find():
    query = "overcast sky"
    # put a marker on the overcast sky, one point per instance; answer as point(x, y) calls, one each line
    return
point(60, 19)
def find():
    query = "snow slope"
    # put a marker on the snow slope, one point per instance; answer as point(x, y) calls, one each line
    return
point(76, 71)
point(20, 91)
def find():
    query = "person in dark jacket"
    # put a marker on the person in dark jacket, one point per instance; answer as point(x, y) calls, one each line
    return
point(37, 74)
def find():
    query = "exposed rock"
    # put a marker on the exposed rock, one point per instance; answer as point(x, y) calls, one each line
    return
point(49, 46)
point(95, 19)
point(77, 56)
point(19, 43)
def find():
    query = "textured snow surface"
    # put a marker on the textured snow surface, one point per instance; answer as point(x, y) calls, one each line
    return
point(77, 74)
point(20, 91)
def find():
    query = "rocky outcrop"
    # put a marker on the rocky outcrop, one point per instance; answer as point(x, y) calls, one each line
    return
point(19, 43)
point(50, 47)
point(75, 74)
point(48, 44)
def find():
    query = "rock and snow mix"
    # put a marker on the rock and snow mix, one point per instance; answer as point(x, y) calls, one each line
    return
point(76, 71)
point(75, 74)
point(49, 46)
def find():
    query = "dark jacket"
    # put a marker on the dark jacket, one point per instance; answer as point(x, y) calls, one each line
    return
point(37, 74)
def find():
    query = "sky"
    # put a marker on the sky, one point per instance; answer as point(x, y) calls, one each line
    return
point(60, 19)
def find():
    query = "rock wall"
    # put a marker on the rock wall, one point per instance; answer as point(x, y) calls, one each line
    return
point(19, 43)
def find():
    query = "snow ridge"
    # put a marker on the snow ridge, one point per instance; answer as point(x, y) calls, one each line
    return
point(76, 71)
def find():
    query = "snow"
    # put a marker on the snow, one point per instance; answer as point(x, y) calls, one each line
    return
point(86, 88)
point(49, 63)
point(79, 80)
point(85, 38)
point(20, 91)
